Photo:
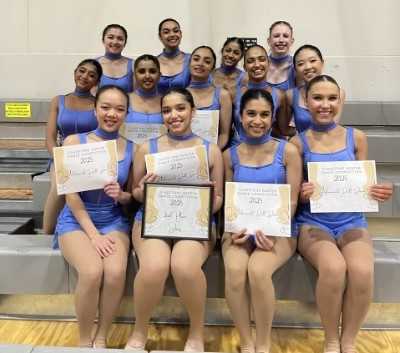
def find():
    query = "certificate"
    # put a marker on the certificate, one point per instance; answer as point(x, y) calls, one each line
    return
point(85, 167)
point(177, 211)
point(342, 186)
point(139, 132)
point(205, 124)
point(264, 207)
point(186, 165)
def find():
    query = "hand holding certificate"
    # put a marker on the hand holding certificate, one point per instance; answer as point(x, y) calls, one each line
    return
point(258, 207)
point(342, 186)
point(85, 167)
point(187, 165)
point(177, 211)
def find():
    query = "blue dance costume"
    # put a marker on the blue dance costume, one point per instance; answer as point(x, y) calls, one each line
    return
point(179, 80)
point(125, 81)
point(215, 104)
point(335, 223)
point(143, 118)
point(290, 82)
point(301, 115)
point(71, 122)
point(271, 173)
point(104, 212)
point(239, 78)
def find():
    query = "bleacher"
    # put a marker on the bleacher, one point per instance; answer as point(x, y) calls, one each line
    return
point(41, 270)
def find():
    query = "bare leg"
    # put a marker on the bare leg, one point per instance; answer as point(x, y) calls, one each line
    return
point(79, 253)
point(321, 251)
point(113, 286)
point(236, 260)
point(53, 205)
point(262, 265)
point(357, 249)
point(187, 258)
point(154, 264)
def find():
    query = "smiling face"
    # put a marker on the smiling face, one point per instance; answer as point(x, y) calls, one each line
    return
point(114, 40)
point(308, 64)
point(256, 63)
point(231, 54)
point(86, 77)
point(170, 35)
point(257, 117)
point(147, 74)
point(177, 113)
point(201, 64)
point(280, 39)
point(323, 101)
point(110, 110)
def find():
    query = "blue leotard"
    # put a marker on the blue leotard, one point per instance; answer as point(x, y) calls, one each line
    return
point(335, 223)
point(143, 118)
point(71, 122)
point(301, 115)
point(179, 80)
point(215, 104)
point(237, 124)
point(289, 83)
point(239, 78)
point(104, 212)
point(153, 148)
point(271, 173)
point(125, 81)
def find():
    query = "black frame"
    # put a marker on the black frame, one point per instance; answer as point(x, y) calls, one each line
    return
point(178, 186)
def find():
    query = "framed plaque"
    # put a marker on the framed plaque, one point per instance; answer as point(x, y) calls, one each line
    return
point(175, 211)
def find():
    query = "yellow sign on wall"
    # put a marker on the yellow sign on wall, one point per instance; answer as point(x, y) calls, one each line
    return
point(18, 110)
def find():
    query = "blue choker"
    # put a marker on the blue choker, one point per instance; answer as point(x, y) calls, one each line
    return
point(227, 69)
point(256, 140)
point(258, 85)
point(79, 93)
point(181, 137)
point(322, 128)
point(171, 54)
point(112, 56)
point(146, 94)
point(202, 84)
point(279, 59)
point(105, 134)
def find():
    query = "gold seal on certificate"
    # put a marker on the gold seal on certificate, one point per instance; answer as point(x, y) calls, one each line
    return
point(177, 211)
point(186, 165)
point(264, 207)
point(85, 167)
point(140, 133)
point(342, 186)
point(205, 124)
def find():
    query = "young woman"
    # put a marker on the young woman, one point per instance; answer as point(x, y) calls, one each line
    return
point(145, 100)
point(336, 244)
point(308, 63)
point(206, 95)
point(117, 69)
point(258, 159)
point(256, 64)
point(228, 75)
point(184, 258)
point(72, 113)
point(174, 63)
point(92, 231)
point(280, 72)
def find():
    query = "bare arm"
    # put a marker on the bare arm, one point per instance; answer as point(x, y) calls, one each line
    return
point(51, 127)
point(225, 118)
point(217, 176)
point(294, 173)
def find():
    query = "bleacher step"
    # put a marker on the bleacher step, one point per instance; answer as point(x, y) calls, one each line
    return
point(16, 225)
